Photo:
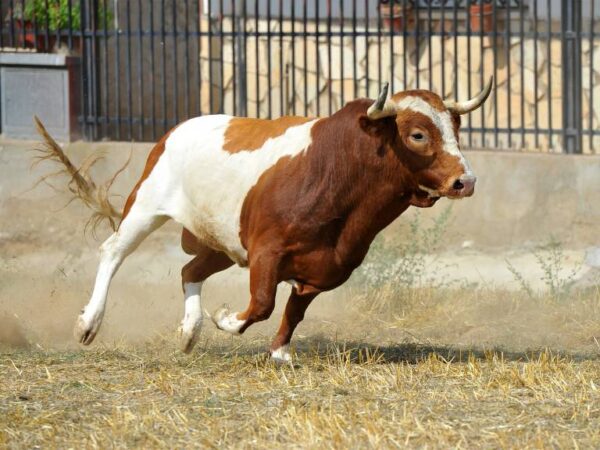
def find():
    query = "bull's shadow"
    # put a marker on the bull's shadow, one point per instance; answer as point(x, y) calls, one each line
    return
point(358, 352)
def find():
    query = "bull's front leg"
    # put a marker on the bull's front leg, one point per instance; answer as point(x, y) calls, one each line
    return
point(263, 287)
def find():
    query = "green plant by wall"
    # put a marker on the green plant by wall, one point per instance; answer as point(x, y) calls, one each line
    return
point(56, 14)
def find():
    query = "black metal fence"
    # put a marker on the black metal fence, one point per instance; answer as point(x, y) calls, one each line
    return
point(147, 65)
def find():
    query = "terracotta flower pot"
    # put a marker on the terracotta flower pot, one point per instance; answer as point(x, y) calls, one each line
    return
point(397, 17)
point(30, 39)
point(481, 16)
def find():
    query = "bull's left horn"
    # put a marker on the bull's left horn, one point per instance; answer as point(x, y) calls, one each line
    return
point(382, 106)
point(472, 104)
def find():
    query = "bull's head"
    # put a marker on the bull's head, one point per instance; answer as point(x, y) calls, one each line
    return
point(427, 141)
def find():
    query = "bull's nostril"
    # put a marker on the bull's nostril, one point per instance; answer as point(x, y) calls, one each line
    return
point(458, 185)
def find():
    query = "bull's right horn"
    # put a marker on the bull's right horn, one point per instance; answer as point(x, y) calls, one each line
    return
point(472, 104)
point(383, 107)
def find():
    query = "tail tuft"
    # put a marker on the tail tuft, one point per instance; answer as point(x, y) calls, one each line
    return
point(81, 185)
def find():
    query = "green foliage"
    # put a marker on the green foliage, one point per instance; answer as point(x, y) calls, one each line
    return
point(56, 14)
point(551, 259)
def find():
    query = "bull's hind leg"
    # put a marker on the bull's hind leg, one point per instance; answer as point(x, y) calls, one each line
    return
point(293, 315)
point(133, 229)
point(193, 274)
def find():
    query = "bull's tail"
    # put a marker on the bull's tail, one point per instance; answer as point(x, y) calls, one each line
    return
point(96, 197)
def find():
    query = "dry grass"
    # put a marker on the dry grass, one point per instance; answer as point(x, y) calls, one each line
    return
point(341, 395)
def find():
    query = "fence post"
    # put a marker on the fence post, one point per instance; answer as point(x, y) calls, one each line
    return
point(571, 75)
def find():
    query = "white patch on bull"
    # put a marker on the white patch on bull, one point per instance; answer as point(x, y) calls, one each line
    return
point(443, 121)
point(430, 192)
point(192, 317)
point(226, 321)
point(203, 187)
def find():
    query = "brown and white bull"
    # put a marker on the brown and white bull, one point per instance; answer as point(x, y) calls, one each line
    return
point(294, 199)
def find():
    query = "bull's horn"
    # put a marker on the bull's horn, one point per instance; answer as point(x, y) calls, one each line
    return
point(472, 104)
point(382, 106)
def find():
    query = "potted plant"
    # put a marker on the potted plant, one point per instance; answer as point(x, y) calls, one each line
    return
point(53, 15)
point(481, 16)
point(397, 14)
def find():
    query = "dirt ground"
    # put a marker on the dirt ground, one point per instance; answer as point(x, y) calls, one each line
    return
point(475, 362)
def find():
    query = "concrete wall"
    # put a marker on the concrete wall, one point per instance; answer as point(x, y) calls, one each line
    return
point(521, 199)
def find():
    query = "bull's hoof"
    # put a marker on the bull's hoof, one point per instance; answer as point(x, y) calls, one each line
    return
point(282, 355)
point(85, 331)
point(227, 321)
point(188, 336)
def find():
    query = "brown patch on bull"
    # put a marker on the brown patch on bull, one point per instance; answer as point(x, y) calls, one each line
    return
point(153, 158)
point(245, 134)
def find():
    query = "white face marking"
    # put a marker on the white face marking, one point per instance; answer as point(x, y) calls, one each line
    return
point(203, 187)
point(282, 354)
point(431, 192)
point(443, 121)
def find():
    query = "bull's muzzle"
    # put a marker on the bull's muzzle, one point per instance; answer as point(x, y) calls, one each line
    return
point(464, 186)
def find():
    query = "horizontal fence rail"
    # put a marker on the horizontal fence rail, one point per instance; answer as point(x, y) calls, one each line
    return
point(147, 65)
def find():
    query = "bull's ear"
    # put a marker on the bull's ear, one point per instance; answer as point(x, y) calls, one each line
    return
point(374, 128)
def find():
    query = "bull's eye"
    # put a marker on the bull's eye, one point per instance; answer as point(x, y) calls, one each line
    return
point(417, 136)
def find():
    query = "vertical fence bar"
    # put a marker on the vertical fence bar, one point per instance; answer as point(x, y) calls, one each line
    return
point(329, 65)
point(23, 29)
point(508, 84)
point(282, 94)
point(11, 21)
point(209, 21)
point(591, 81)
point(117, 51)
point(455, 62)
point(152, 72)
point(379, 27)
point(69, 22)
point(84, 71)
point(417, 45)
point(197, 65)
point(549, 59)
point(186, 73)
point(221, 59)
point(293, 96)
point(469, 38)
point(443, 46)
point(317, 69)
point(391, 36)
point(495, 57)
point(354, 62)
point(571, 75)
point(163, 47)
point(429, 49)
point(535, 79)
point(243, 72)
point(128, 72)
point(140, 74)
point(342, 80)
point(522, 74)
point(404, 47)
point(94, 69)
point(366, 48)
point(256, 57)
point(269, 87)
point(106, 120)
point(481, 75)
point(46, 24)
point(305, 55)
point(234, 99)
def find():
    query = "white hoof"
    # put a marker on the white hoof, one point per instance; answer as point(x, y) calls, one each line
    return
point(86, 329)
point(282, 355)
point(189, 331)
point(226, 321)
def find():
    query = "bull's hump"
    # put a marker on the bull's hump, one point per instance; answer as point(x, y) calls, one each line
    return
point(246, 134)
